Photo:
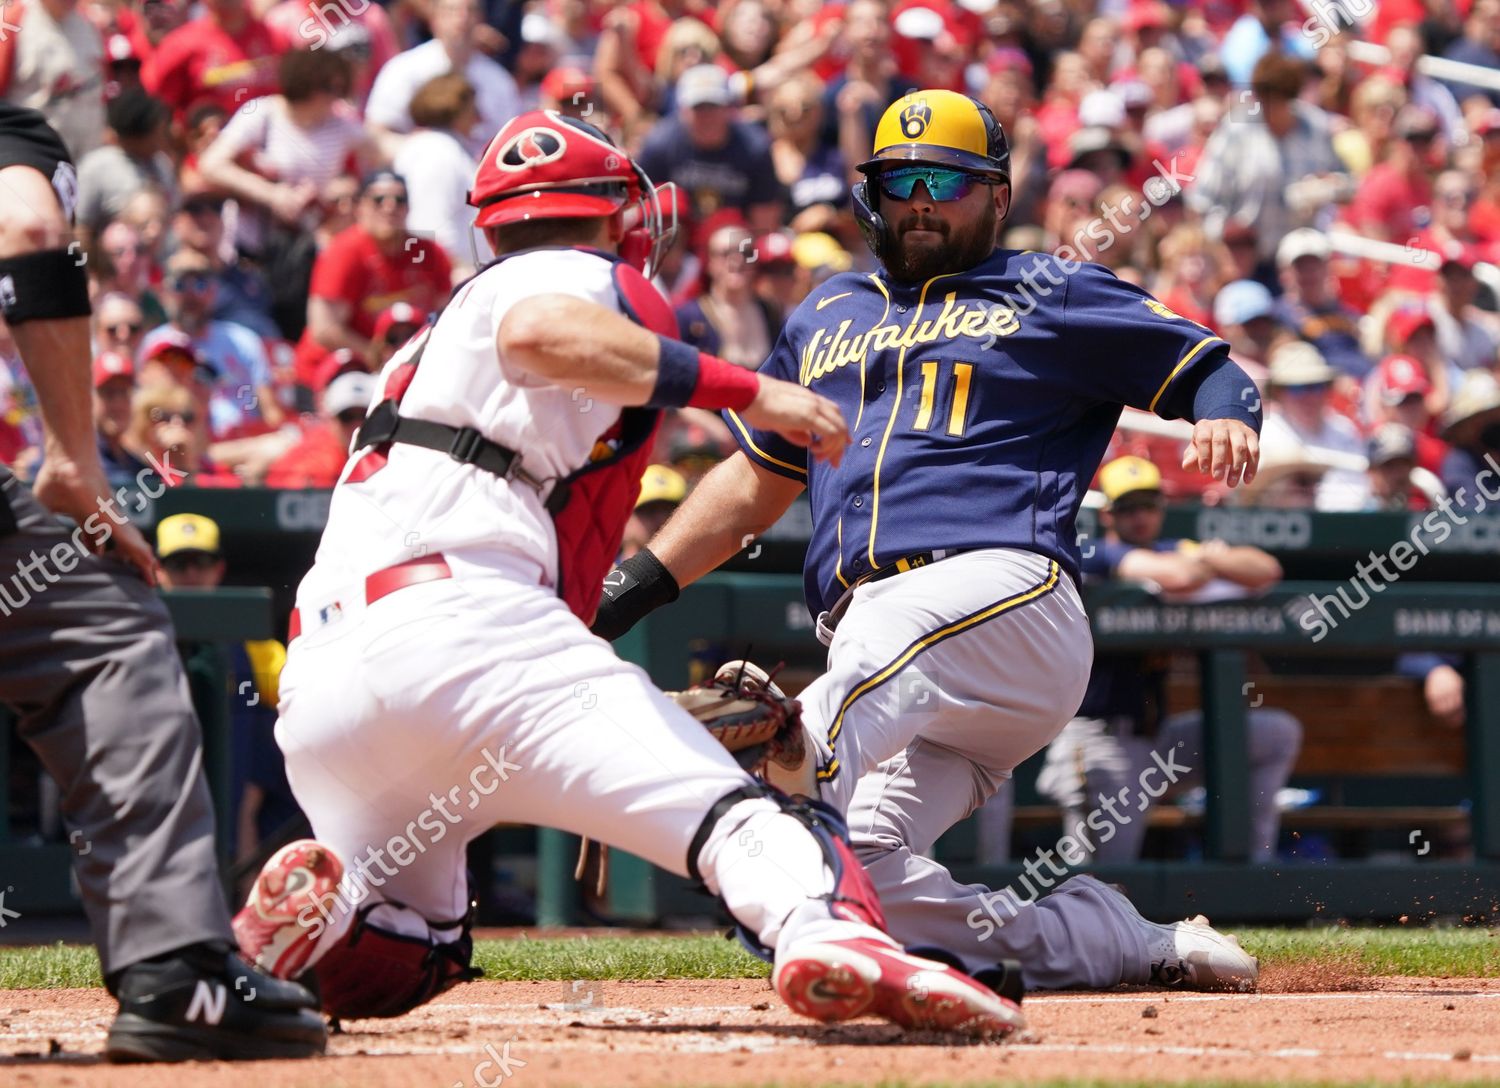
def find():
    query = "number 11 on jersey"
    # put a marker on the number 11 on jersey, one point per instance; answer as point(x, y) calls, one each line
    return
point(958, 413)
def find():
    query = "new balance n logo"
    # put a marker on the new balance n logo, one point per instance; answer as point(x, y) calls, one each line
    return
point(209, 1000)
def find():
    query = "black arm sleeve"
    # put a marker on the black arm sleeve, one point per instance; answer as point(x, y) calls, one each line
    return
point(1219, 390)
point(636, 587)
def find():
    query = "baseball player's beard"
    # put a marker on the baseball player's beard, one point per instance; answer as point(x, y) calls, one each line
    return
point(955, 253)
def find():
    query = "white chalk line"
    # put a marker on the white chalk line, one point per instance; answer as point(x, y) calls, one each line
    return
point(1174, 997)
point(1241, 1052)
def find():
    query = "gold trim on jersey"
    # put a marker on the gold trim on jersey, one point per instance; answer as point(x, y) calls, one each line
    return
point(863, 363)
point(735, 419)
point(896, 403)
point(1186, 359)
point(926, 642)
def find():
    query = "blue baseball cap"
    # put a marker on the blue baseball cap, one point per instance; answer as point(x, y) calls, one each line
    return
point(1241, 301)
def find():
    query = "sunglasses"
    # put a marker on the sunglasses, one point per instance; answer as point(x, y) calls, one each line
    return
point(203, 207)
point(943, 184)
point(187, 418)
point(1125, 509)
point(124, 330)
point(190, 281)
point(380, 200)
point(195, 561)
point(399, 334)
point(351, 415)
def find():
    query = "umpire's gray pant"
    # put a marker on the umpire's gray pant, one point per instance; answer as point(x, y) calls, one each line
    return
point(89, 665)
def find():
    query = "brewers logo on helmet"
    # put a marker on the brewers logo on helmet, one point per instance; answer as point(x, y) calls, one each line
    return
point(943, 128)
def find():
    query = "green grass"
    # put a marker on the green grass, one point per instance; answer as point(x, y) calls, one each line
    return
point(1460, 953)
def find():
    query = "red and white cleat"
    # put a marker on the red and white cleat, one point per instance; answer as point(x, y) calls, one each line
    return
point(280, 924)
point(838, 980)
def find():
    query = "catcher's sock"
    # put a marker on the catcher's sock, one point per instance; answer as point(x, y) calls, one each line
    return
point(764, 865)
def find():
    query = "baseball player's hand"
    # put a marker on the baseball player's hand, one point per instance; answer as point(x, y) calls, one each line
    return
point(1225, 449)
point(799, 415)
point(65, 487)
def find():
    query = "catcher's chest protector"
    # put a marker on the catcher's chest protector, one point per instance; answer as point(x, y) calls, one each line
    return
point(590, 506)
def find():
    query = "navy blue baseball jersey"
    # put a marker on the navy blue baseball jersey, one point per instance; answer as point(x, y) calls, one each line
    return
point(979, 405)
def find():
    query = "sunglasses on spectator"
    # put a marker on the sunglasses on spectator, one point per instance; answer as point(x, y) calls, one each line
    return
point(398, 335)
point(169, 415)
point(351, 415)
point(181, 563)
point(380, 200)
point(1304, 479)
point(190, 281)
point(1420, 137)
point(1308, 390)
point(200, 205)
point(1138, 506)
point(124, 330)
point(1461, 197)
point(943, 184)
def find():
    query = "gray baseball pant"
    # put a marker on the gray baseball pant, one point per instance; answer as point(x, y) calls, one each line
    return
point(89, 666)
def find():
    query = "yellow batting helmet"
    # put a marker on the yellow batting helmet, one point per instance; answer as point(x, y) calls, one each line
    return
point(942, 127)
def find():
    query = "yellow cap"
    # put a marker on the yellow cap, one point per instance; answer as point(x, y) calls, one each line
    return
point(940, 127)
point(815, 249)
point(1126, 474)
point(661, 484)
point(186, 533)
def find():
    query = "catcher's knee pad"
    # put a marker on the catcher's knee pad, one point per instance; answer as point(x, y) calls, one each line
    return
point(47, 284)
point(851, 895)
point(374, 971)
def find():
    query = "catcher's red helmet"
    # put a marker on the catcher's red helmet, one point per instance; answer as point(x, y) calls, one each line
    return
point(544, 165)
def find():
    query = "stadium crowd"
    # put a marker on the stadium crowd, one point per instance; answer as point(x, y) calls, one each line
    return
point(271, 198)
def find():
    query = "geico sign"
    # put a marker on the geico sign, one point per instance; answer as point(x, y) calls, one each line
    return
point(1263, 528)
point(302, 510)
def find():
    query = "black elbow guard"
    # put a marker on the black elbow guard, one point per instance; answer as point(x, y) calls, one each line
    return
point(636, 587)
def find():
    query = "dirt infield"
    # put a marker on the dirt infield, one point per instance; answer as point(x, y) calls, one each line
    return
point(531, 1034)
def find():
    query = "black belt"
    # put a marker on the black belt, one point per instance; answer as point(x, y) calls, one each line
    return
point(900, 566)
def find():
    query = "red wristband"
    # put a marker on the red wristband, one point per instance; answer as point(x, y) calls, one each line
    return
point(721, 384)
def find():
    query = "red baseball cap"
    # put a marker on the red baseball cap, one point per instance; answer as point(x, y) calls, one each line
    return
point(1142, 15)
point(112, 364)
point(335, 363)
point(1400, 326)
point(398, 313)
point(1400, 376)
point(171, 340)
point(773, 249)
point(570, 85)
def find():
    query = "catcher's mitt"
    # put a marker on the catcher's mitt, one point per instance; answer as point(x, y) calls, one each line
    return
point(749, 715)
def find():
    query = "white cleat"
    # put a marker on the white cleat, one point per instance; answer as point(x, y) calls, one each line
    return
point(1188, 955)
point(1192, 955)
point(839, 980)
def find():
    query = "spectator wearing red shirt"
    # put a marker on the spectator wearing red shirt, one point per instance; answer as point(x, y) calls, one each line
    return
point(367, 268)
point(1397, 393)
point(1395, 197)
point(319, 457)
point(227, 56)
point(1484, 216)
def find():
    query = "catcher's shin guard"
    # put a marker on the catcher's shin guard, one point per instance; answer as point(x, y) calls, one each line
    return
point(850, 894)
point(374, 971)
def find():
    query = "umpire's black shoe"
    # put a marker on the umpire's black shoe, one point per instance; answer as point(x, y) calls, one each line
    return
point(204, 1003)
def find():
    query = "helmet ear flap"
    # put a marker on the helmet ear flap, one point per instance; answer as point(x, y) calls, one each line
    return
point(871, 222)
